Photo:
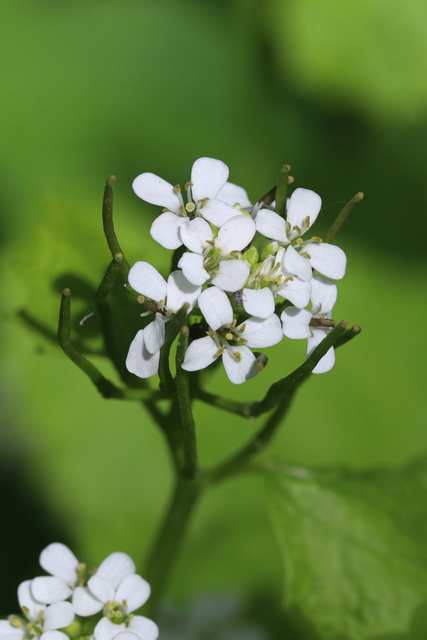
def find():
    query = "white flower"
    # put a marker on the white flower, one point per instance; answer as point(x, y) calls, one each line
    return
point(62, 564)
point(42, 621)
point(217, 259)
point(301, 257)
point(296, 321)
point(115, 584)
point(269, 280)
point(208, 179)
point(144, 352)
point(239, 361)
point(137, 628)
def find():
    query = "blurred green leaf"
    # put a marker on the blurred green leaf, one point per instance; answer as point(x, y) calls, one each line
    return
point(354, 547)
point(370, 53)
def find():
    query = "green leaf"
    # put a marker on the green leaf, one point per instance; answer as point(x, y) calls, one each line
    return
point(354, 548)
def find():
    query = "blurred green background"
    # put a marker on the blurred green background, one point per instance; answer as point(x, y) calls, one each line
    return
point(336, 89)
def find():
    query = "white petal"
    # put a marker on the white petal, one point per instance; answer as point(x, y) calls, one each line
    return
point(135, 590)
point(145, 279)
point(216, 308)
point(139, 360)
point(328, 259)
point(166, 230)
point(116, 567)
point(85, 603)
point(9, 632)
point(107, 630)
point(297, 291)
point(302, 204)
point(233, 194)
point(58, 560)
point(53, 634)
point(242, 368)
point(295, 264)
point(231, 275)
point(295, 323)
point(155, 190)
point(261, 333)
point(200, 354)
point(327, 362)
point(324, 295)
point(127, 635)
point(49, 589)
point(258, 302)
point(101, 588)
point(271, 225)
point(235, 234)
point(208, 177)
point(180, 291)
point(192, 268)
point(58, 615)
point(144, 628)
point(154, 334)
point(196, 234)
point(218, 212)
point(26, 599)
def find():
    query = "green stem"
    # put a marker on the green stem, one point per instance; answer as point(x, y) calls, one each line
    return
point(282, 190)
point(239, 408)
point(342, 217)
point(108, 224)
point(184, 403)
point(169, 539)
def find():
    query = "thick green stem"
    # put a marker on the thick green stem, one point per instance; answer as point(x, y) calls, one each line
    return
point(169, 539)
point(184, 402)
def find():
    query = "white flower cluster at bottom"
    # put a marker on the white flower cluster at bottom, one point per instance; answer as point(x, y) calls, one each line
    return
point(50, 603)
point(240, 260)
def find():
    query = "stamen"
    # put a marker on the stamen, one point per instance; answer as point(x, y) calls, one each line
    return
point(182, 210)
point(317, 239)
point(219, 352)
point(307, 222)
point(238, 356)
point(242, 328)
point(177, 188)
point(297, 229)
point(305, 255)
point(161, 304)
point(203, 202)
point(16, 622)
point(300, 241)
point(289, 279)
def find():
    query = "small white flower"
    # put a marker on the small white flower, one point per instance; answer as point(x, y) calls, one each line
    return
point(115, 585)
point(208, 179)
point(269, 280)
point(62, 564)
point(239, 361)
point(137, 628)
point(296, 321)
point(301, 257)
point(42, 621)
point(144, 352)
point(217, 259)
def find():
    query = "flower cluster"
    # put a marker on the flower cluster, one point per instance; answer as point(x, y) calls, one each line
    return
point(70, 594)
point(241, 263)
